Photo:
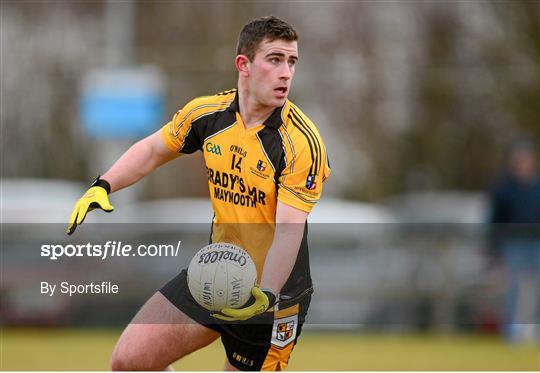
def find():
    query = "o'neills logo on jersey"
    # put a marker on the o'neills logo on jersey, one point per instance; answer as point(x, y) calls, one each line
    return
point(225, 255)
point(233, 189)
point(238, 150)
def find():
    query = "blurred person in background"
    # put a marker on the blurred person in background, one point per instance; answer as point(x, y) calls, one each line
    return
point(515, 239)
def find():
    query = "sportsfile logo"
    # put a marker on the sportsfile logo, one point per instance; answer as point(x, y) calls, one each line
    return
point(109, 249)
point(213, 148)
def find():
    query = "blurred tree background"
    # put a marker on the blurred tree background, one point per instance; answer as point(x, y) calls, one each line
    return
point(407, 95)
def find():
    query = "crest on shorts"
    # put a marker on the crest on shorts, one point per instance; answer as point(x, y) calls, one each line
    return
point(284, 331)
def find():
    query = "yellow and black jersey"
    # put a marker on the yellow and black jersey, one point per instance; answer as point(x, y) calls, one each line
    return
point(249, 170)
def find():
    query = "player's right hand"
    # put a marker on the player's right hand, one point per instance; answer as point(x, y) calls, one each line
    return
point(95, 197)
point(261, 300)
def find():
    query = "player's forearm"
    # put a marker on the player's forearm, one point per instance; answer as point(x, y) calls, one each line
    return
point(137, 162)
point(281, 256)
point(129, 168)
point(290, 225)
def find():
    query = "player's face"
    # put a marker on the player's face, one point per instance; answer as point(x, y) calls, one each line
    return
point(272, 71)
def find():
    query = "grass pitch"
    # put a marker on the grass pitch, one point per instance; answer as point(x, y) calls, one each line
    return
point(90, 349)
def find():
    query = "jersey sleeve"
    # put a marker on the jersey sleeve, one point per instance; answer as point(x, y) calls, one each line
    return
point(178, 135)
point(301, 181)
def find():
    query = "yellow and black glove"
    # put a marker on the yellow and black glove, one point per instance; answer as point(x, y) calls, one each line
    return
point(261, 301)
point(94, 198)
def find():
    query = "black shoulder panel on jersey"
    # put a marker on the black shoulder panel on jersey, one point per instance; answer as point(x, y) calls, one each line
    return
point(273, 148)
point(205, 127)
point(191, 142)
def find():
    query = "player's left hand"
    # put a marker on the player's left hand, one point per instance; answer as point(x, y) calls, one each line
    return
point(261, 301)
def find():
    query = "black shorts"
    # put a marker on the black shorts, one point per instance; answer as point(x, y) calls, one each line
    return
point(263, 342)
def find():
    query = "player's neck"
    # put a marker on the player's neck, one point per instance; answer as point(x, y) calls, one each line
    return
point(251, 111)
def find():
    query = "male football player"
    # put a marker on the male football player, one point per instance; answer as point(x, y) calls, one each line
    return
point(266, 165)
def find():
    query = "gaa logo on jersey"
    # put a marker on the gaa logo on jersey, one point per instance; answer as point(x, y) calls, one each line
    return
point(213, 148)
point(261, 166)
point(310, 182)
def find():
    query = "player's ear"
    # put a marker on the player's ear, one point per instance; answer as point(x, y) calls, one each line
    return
point(242, 64)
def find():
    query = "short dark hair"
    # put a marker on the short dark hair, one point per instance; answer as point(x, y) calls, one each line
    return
point(264, 28)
